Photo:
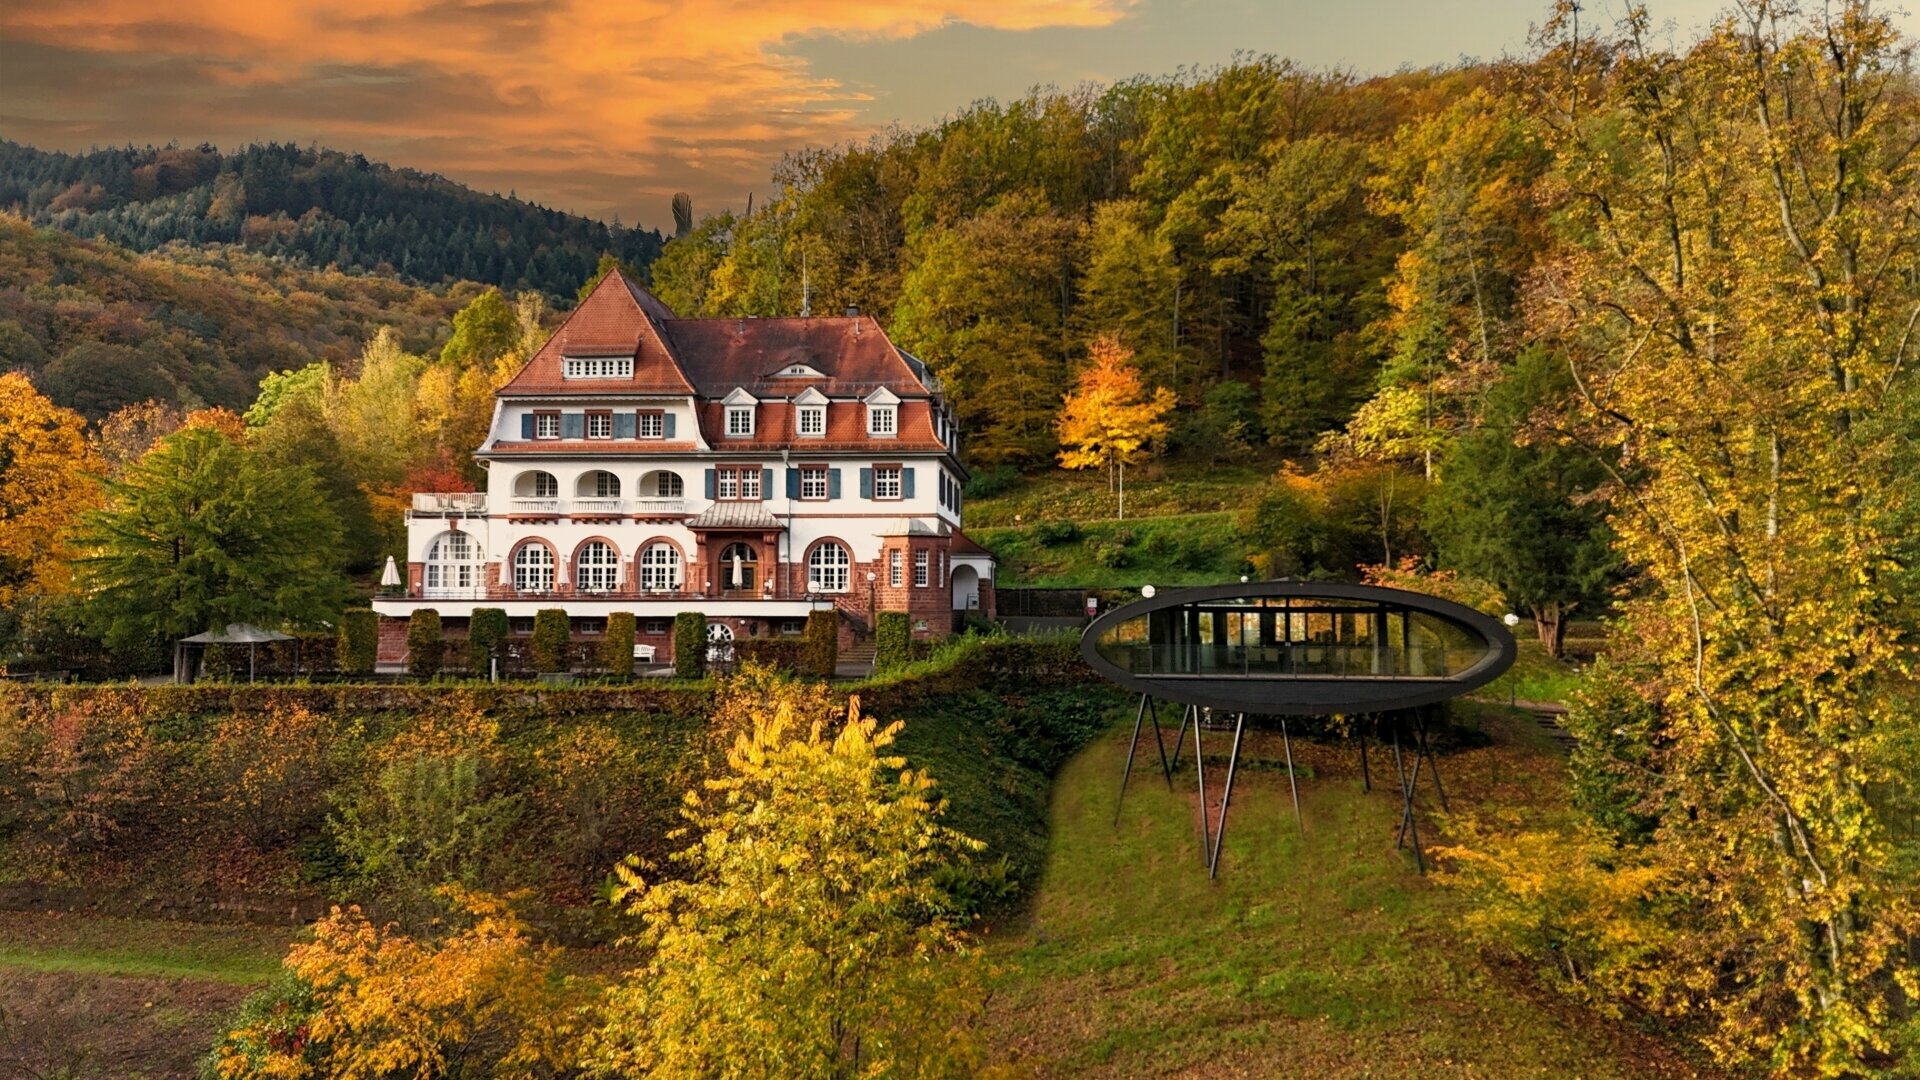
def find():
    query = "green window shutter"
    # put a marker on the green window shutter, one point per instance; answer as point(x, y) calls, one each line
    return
point(526, 426)
point(712, 485)
point(906, 482)
point(667, 425)
point(793, 483)
point(573, 425)
point(625, 424)
point(766, 483)
point(833, 483)
point(866, 483)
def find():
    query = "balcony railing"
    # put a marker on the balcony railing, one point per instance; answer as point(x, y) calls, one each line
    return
point(659, 506)
point(534, 506)
point(596, 506)
point(447, 503)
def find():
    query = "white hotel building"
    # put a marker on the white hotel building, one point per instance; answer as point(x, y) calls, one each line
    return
point(752, 469)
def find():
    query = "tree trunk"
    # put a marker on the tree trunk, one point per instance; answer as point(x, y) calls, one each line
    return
point(1550, 623)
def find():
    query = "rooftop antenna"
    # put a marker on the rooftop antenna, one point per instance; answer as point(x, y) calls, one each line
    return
point(806, 292)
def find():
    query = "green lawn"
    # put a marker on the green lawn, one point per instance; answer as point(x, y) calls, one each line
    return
point(1185, 549)
point(1163, 489)
point(104, 945)
point(1323, 955)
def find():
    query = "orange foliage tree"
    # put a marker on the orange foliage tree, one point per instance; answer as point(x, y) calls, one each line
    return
point(47, 479)
point(1110, 420)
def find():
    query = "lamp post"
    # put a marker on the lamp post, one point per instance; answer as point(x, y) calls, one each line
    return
point(873, 609)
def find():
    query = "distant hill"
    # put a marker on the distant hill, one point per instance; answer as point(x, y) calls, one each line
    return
point(315, 206)
point(96, 326)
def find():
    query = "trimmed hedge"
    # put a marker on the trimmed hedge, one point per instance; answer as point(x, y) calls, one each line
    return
point(821, 650)
point(425, 645)
point(616, 648)
point(551, 635)
point(359, 641)
point(486, 633)
point(781, 654)
point(690, 645)
point(892, 641)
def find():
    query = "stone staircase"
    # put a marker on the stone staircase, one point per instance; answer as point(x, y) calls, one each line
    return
point(860, 654)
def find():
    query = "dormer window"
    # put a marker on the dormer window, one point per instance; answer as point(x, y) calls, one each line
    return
point(739, 421)
point(598, 367)
point(883, 414)
point(813, 420)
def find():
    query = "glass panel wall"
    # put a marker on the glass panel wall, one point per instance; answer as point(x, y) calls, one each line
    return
point(1303, 637)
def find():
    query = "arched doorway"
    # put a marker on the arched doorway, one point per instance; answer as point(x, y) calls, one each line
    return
point(966, 588)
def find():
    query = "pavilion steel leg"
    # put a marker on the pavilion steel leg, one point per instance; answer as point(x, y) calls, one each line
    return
point(1200, 774)
point(1426, 747)
point(1186, 712)
point(1226, 796)
point(1153, 714)
point(1292, 785)
point(1127, 773)
point(1407, 823)
point(1366, 778)
point(1413, 783)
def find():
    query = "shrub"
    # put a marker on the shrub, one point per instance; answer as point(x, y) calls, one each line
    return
point(616, 646)
point(1054, 533)
point(551, 636)
point(821, 652)
point(990, 482)
point(425, 647)
point(270, 772)
point(486, 631)
point(359, 641)
point(1112, 554)
point(598, 799)
point(892, 640)
point(784, 654)
point(690, 645)
point(83, 772)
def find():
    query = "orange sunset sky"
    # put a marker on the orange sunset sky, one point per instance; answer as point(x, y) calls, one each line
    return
point(604, 108)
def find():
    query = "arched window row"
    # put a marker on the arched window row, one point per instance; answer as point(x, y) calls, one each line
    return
point(600, 484)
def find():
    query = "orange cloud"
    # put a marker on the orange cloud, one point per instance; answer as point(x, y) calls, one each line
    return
point(587, 105)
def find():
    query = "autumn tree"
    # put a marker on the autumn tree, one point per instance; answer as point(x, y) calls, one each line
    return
point(1109, 420)
point(1736, 297)
point(201, 533)
point(483, 331)
point(47, 480)
point(804, 935)
point(131, 430)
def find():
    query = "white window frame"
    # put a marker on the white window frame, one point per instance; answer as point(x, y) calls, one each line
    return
point(546, 425)
point(600, 425)
point(533, 567)
point(448, 568)
point(737, 483)
point(813, 422)
point(597, 367)
point(829, 568)
point(883, 421)
point(661, 568)
point(602, 574)
point(893, 568)
point(813, 483)
point(920, 568)
point(605, 485)
point(652, 424)
point(545, 485)
point(669, 485)
point(740, 421)
point(887, 483)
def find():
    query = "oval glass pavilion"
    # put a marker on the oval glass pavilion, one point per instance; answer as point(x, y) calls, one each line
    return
point(1298, 648)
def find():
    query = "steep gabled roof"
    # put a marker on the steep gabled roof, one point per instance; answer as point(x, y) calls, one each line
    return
point(618, 318)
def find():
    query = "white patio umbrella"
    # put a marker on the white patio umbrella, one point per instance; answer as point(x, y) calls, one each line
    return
point(390, 577)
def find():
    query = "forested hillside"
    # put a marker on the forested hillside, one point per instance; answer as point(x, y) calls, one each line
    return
point(315, 206)
point(97, 327)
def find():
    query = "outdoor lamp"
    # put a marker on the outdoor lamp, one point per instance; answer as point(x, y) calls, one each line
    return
point(1147, 591)
point(1510, 619)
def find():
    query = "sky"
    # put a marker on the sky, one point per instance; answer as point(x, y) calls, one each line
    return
point(609, 108)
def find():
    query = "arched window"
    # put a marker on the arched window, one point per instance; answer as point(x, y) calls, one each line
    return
point(453, 564)
point(596, 568)
point(660, 568)
point(667, 485)
point(600, 484)
point(737, 565)
point(533, 568)
point(536, 485)
point(828, 568)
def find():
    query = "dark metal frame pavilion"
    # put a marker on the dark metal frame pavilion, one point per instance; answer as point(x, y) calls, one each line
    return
point(1379, 657)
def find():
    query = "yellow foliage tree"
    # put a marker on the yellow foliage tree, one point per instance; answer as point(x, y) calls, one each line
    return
point(1109, 420)
point(808, 938)
point(47, 480)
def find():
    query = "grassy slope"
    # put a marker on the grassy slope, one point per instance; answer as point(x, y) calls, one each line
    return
point(1325, 955)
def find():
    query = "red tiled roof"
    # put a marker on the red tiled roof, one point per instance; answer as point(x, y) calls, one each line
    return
point(618, 318)
point(846, 426)
point(852, 352)
point(964, 545)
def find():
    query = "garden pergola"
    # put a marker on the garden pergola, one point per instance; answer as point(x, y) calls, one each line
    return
point(235, 634)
